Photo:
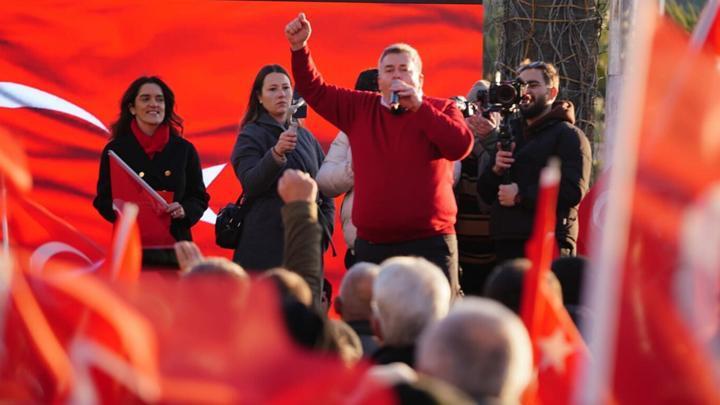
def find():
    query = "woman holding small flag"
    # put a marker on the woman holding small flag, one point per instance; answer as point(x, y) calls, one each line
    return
point(153, 166)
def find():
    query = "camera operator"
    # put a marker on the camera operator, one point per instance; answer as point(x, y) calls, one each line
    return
point(476, 252)
point(544, 129)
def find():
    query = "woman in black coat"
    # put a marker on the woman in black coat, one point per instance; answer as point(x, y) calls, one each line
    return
point(148, 137)
point(268, 145)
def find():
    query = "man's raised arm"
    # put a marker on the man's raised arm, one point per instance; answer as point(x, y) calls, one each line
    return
point(331, 102)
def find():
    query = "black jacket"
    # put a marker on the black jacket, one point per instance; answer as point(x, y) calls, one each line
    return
point(553, 135)
point(261, 243)
point(176, 168)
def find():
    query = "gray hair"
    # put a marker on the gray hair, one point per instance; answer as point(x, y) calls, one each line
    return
point(478, 87)
point(401, 47)
point(356, 290)
point(408, 294)
point(217, 266)
point(481, 347)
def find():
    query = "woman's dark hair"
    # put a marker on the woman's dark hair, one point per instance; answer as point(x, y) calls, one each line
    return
point(254, 108)
point(122, 125)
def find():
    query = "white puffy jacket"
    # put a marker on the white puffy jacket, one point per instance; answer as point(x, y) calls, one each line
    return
point(336, 177)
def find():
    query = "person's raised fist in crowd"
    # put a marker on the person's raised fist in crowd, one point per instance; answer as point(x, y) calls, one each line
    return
point(295, 185)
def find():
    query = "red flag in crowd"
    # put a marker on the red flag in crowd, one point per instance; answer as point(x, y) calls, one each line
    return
point(14, 170)
point(660, 255)
point(223, 340)
point(591, 213)
point(72, 338)
point(210, 340)
point(125, 259)
point(112, 346)
point(42, 242)
point(35, 366)
point(558, 347)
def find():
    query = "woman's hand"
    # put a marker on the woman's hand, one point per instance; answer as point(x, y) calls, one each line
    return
point(175, 210)
point(287, 142)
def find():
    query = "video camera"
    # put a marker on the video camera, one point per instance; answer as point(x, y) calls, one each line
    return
point(468, 108)
point(502, 96)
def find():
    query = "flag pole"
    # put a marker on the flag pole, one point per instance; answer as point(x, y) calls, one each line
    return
point(5, 263)
point(704, 25)
point(608, 248)
point(3, 213)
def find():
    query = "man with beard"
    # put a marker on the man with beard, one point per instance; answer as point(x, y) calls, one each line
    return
point(545, 129)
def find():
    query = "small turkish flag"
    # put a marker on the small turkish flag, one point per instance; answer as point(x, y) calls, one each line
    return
point(152, 219)
point(558, 346)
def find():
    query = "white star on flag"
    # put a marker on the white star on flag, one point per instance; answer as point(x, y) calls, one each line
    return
point(555, 349)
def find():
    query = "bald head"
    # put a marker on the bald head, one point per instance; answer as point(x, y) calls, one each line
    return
point(408, 294)
point(481, 347)
point(356, 290)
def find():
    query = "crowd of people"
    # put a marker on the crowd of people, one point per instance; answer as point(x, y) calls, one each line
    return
point(435, 208)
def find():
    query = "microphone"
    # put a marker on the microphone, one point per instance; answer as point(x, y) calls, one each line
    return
point(395, 103)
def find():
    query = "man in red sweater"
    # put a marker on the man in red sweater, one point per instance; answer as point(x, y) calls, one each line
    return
point(403, 146)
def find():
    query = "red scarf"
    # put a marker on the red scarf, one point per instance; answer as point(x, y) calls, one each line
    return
point(154, 143)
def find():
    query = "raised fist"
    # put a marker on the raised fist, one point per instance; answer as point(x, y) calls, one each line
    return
point(298, 32)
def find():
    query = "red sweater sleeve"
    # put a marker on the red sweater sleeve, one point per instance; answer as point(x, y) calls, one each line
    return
point(446, 129)
point(325, 99)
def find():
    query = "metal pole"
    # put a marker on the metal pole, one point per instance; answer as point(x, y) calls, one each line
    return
point(622, 17)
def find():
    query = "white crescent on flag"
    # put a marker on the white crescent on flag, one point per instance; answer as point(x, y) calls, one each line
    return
point(46, 251)
point(15, 95)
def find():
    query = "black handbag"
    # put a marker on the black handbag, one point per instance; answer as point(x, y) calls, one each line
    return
point(229, 222)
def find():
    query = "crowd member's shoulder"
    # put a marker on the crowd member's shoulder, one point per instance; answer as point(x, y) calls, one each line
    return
point(571, 131)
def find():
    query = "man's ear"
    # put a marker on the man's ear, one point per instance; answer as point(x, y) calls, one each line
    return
point(338, 305)
point(552, 94)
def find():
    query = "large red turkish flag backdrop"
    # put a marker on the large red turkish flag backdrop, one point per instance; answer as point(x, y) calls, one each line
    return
point(65, 66)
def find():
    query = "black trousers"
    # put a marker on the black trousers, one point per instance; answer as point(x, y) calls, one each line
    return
point(160, 259)
point(473, 277)
point(507, 249)
point(440, 250)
